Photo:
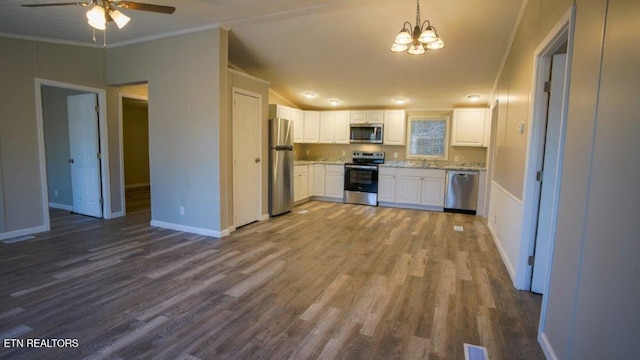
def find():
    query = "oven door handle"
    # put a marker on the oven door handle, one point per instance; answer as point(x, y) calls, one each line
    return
point(362, 167)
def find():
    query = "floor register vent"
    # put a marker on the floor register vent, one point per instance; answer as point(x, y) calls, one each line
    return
point(475, 352)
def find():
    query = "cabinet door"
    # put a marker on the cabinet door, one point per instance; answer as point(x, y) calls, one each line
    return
point(386, 188)
point(375, 116)
point(318, 180)
point(432, 192)
point(358, 117)
point(408, 189)
point(341, 131)
point(394, 127)
point(311, 126)
point(284, 112)
point(468, 127)
point(327, 127)
point(304, 183)
point(298, 125)
point(334, 185)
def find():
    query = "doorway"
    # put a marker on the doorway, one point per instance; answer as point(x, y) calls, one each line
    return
point(543, 169)
point(134, 110)
point(71, 121)
point(247, 147)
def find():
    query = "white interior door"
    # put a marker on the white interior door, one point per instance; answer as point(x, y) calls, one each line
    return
point(84, 150)
point(545, 232)
point(247, 162)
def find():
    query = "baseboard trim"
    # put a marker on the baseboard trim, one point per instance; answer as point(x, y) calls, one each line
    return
point(23, 232)
point(503, 254)
point(61, 206)
point(133, 186)
point(263, 217)
point(117, 214)
point(190, 229)
point(546, 347)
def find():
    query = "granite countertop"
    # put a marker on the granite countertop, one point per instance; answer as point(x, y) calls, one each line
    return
point(444, 165)
point(329, 161)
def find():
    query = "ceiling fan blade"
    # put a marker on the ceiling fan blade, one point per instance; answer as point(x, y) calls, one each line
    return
point(146, 7)
point(56, 4)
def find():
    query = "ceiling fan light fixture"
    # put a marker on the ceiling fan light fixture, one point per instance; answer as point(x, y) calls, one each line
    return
point(119, 18)
point(97, 17)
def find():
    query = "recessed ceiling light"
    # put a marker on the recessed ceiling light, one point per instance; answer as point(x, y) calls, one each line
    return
point(334, 102)
point(473, 98)
point(309, 95)
point(399, 101)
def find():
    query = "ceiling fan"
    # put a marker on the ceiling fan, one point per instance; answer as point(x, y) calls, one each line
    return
point(103, 11)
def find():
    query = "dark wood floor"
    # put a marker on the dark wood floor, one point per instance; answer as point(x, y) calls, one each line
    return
point(337, 282)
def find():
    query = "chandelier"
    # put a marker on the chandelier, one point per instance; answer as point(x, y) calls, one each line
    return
point(420, 40)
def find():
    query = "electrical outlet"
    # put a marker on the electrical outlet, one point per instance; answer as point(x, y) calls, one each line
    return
point(181, 210)
point(308, 152)
point(344, 153)
point(456, 158)
point(395, 155)
point(55, 193)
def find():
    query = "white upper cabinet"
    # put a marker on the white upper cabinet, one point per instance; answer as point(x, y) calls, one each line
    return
point(394, 127)
point(334, 127)
point(367, 117)
point(327, 127)
point(469, 127)
point(297, 116)
point(311, 126)
point(341, 133)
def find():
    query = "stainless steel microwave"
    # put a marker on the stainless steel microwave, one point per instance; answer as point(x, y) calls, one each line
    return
point(366, 133)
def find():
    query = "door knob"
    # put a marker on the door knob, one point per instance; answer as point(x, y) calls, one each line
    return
point(257, 160)
point(70, 161)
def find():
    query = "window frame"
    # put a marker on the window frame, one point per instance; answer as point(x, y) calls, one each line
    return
point(437, 118)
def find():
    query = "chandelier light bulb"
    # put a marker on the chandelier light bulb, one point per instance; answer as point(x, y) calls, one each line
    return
point(404, 37)
point(416, 49)
point(399, 48)
point(438, 44)
point(428, 36)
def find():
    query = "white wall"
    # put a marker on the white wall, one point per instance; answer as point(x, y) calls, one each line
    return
point(21, 62)
point(592, 310)
point(186, 112)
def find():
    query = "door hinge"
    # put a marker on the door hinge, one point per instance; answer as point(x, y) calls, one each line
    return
point(99, 155)
point(101, 201)
point(547, 87)
point(531, 260)
point(539, 175)
point(97, 108)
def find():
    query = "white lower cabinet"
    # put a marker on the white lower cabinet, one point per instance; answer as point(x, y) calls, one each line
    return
point(300, 182)
point(334, 181)
point(423, 187)
point(387, 184)
point(318, 179)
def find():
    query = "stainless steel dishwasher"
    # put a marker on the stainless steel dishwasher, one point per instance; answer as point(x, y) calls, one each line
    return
point(461, 192)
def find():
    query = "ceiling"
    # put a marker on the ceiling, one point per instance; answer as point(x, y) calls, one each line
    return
point(337, 49)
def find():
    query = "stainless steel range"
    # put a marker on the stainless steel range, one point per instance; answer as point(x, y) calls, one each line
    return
point(361, 178)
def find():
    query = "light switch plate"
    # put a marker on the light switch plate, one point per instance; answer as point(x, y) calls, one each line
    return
point(458, 228)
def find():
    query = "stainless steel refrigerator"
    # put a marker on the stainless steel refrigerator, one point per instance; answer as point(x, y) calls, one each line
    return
point(280, 166)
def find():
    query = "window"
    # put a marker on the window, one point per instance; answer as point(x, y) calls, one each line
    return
point(427, 137)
